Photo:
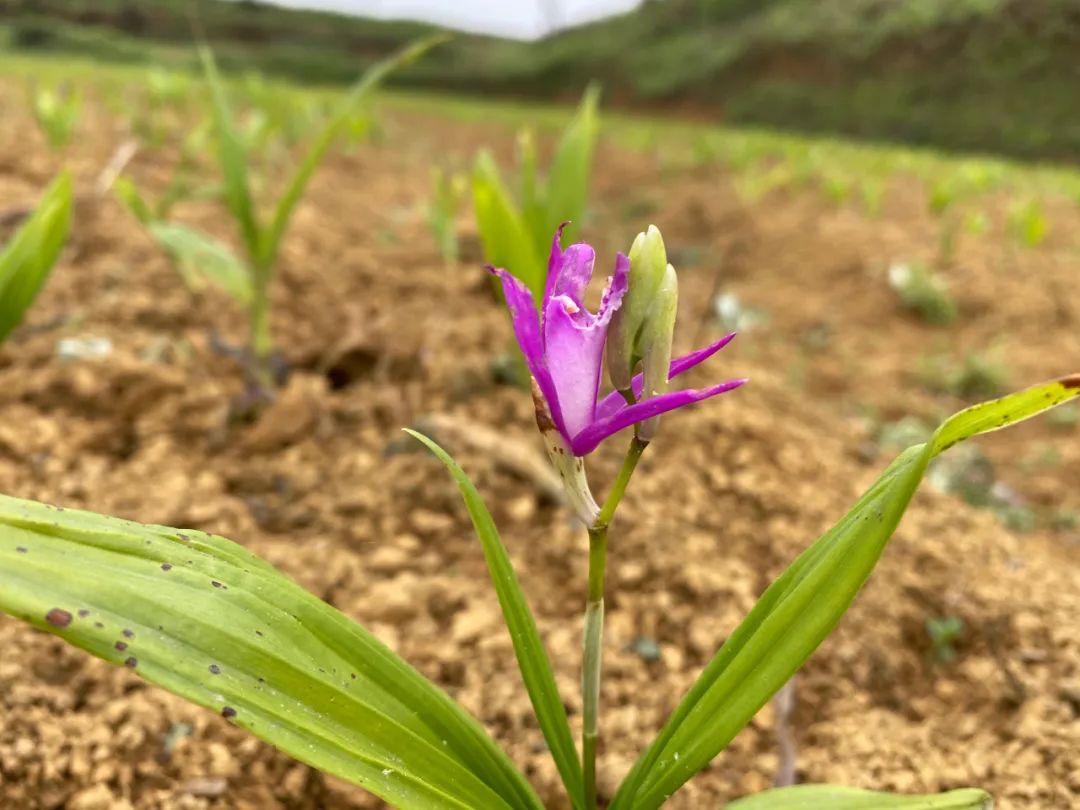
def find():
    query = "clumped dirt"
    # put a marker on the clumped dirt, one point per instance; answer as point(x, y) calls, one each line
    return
point(326, 487)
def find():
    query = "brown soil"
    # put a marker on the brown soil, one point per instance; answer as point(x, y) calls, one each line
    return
point(325, 487)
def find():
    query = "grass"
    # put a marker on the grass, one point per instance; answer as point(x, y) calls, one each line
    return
point(783, 159)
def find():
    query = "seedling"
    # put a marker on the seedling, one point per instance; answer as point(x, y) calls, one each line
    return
point(447, 195)
point(923, 292)
point(516, 233)
point(247, 279)
point(1028, 224)
point(56, 110)
point(29, 256)
point(944, 633)
point(980, 374)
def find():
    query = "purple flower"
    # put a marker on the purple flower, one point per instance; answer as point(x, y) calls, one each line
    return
point(563, 346)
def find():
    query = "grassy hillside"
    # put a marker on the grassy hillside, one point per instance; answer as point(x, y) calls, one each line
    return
point(992, 75)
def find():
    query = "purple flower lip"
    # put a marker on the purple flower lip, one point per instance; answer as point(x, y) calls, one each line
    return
point(563, 345)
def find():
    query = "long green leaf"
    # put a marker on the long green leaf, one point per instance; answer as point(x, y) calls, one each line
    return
point(201, 258)
point(341, 118)
point(568, 179)
point(207, 620)
point(506, 240)
point(817, 797)
point(28, 258)
point(528, 646)
point(803, 605)
point(233, 159)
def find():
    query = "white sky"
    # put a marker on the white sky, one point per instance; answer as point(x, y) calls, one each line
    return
point(524, 19)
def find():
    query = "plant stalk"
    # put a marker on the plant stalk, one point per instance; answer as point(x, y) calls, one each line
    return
point(261, 344)
point(594, 621)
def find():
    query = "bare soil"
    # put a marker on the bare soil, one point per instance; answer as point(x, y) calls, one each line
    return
point(381, 333)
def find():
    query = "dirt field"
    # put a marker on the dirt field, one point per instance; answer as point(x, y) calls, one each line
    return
point(381, 334)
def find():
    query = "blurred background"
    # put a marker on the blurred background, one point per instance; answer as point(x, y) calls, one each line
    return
point(880, 196)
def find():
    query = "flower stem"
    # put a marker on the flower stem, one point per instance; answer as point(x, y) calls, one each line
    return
point(594, 621)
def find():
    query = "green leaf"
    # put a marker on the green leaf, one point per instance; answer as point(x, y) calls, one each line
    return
point(802, 606)
point(506, 240)
point(814, 797)
point(233, 159)
point(28, 258)
point(534, 210)
point(568, 179)
point(128, 194)
point(528, 646)
point(201, 258)
point(207, 620)
point(340, 120)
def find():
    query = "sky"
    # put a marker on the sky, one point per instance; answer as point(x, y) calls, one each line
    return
point(520, 19)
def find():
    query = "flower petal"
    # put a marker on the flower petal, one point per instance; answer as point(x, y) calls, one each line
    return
point(614, 401)
point(526, 321)
point(573, 348)
point(616, 288)
point(587, 440)
point(569, 271)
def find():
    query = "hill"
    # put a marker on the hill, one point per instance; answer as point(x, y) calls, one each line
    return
point(985, 75)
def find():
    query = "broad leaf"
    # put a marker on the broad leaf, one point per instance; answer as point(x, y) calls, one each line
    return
point(506, 240)
point(568, 179)
point(528, 646)
point(211, 622)
point(340, 120)
point(802, 606)
point(28, 258)
point(816, 797)
point(201, 258)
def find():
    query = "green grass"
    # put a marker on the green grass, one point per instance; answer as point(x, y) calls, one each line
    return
point(788, 159)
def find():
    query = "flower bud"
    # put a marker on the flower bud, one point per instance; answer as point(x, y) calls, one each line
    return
point(648, 268)
point(657, 332)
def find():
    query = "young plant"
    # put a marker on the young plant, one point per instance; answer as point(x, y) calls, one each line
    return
point(28, 257)
point(944, 633)
point(1027, 223)
point(198, 259)
point(209, 621)
point(447, 194)
point(923, 292)
point(56, 110)
point(247, 279)
point(517, 234)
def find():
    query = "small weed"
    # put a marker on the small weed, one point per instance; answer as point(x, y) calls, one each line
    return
point(944, 633)
point(1028, 224)
point(923, 292)
point(978, 376)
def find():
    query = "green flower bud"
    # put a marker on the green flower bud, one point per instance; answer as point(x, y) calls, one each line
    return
point(656, 337)
point(625, 346)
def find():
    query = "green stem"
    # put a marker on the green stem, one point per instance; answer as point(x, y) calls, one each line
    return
point(594, 621)
point(260, 342)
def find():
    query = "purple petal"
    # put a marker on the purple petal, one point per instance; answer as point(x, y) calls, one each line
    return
point(586, 441)
point(614, 401)
point(570, 270)
point(574, 349)
point(526, 321)
point(616, 288)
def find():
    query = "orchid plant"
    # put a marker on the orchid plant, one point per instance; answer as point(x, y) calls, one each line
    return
point(247, 279)
point(204, 618)
point(515, 233)
point(56, 110)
